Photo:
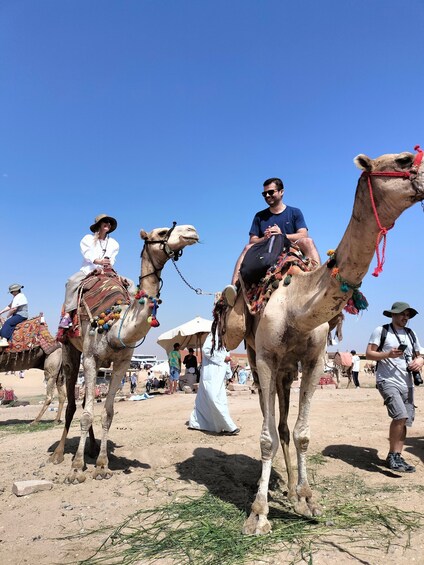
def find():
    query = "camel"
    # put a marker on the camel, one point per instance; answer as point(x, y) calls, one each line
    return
point(293, 326)
point(37, 359)
point(116, 346)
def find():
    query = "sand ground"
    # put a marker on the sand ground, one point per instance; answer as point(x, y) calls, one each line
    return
point(155, 458)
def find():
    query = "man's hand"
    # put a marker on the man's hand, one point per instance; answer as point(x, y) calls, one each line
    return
point(272, 230)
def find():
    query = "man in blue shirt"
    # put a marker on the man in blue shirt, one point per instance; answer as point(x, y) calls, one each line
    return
point(278, 218)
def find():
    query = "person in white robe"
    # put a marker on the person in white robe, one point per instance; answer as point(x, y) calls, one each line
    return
point(211, 407)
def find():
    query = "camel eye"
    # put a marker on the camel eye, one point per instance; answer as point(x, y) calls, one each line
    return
point(405, 161)
point(163, 233)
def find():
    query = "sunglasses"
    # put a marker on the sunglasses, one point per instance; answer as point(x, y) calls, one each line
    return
point(266, 193)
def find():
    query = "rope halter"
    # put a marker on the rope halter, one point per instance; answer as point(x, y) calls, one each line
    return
point(382, 234)
point(170, 253)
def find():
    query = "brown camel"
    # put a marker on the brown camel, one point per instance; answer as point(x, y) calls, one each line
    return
point(37, 359)
point(115, 346)
point(293, 326)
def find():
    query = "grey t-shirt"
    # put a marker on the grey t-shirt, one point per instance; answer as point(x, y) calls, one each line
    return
point(395, 370)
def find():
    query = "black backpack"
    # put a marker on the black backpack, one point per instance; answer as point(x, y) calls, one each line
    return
point(261, 256)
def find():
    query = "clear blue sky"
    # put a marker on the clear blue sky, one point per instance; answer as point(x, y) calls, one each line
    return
point(154, 111)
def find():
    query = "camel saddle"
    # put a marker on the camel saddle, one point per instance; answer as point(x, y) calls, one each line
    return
point(231, 323)
point(97, 293)
point(30, 334)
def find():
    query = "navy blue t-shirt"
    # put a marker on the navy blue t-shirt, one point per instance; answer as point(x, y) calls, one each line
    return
point(290, 220)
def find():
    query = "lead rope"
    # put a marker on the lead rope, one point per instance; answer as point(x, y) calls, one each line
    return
point(198, 291)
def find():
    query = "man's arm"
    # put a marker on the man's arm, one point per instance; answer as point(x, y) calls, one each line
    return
point(373, 355)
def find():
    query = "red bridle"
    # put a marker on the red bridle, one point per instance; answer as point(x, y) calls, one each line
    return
point(383, 231)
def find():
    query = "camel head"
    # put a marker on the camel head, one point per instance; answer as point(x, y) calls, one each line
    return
point(165, 243)
point(396, 181)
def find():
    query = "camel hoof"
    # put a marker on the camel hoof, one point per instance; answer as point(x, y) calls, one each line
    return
point(75, 477)
point(34, 423)
point(56, 458)
point(256, 525)
point(308, 509)
point(57, 422)
point(101, 473)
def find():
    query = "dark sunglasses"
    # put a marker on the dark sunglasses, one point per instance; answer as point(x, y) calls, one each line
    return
point(269, 192)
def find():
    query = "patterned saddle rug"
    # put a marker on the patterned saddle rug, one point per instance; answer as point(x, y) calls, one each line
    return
point(98, 295)
point(289, 263)
point(256, 296)
point(30, 334)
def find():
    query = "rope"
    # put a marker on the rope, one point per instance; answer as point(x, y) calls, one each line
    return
point(198, 291)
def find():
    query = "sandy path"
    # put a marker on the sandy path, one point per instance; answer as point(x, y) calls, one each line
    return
point(154, 457)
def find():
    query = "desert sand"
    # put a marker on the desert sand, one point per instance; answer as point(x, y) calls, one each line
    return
point(155, 458)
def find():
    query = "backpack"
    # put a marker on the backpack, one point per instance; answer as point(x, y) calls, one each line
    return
point(261, 256)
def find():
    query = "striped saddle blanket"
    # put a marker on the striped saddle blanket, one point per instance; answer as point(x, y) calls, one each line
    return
point(99, 292)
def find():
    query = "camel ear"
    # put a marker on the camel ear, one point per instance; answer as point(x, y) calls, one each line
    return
point(363, 162)
point(144, 235)
point(405, 160)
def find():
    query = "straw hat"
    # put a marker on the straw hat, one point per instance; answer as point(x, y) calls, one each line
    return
point(99, 218)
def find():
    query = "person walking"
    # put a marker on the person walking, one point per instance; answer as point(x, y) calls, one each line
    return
point(356, 365)
point(210, 411)
point(396, 349)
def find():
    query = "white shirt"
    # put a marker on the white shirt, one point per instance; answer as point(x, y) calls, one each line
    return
point(356, 363)
point(394, 370)
point(20, 302)
point(93, 248)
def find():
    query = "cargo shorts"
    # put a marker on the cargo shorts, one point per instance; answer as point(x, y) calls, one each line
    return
point(399, 403)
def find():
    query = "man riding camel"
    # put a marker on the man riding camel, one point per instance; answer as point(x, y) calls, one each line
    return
point(278, 218)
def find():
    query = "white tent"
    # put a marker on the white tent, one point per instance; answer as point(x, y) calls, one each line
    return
point(161, 368)
point(190, 334)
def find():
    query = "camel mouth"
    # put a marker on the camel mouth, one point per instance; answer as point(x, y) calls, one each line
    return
point(190, 239)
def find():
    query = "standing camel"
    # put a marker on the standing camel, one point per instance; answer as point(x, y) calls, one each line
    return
point(36, 358)
point(116, 346)
point(293, 326)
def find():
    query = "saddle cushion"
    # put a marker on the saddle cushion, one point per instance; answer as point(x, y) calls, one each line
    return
point(30, 334)
point(97, 293)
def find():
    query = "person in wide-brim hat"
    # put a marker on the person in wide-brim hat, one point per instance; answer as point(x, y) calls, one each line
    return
point(99, 252)
point(398, 308)
point(15, 287)
point(104, 218)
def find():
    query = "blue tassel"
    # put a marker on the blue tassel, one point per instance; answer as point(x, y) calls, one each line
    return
point(344, 287)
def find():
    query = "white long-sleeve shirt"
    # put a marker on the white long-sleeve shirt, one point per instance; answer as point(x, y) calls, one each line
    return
point(93, 248)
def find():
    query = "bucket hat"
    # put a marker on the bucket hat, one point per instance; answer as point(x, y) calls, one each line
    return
point(15, 287)
point(398, 308)
point(99, 218)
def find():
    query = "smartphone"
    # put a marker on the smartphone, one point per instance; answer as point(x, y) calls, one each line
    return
point(402, 346)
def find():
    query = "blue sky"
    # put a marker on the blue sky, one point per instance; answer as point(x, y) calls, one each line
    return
point(154, 111)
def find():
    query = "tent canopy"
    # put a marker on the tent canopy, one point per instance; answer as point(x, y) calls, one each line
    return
point(190, 334)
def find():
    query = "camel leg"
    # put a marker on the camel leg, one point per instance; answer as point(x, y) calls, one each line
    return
point(257, 523)
point(70, 365)
point(312, 370)
point(52, 366)
point(76, 474)
point(283, 392)
point(102, 470)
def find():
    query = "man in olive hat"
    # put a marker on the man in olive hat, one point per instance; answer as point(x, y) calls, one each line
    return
point(99, 251)
point(396, 349)
point(17, 313)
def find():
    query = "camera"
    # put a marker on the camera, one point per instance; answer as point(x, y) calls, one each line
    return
point(418, 380)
